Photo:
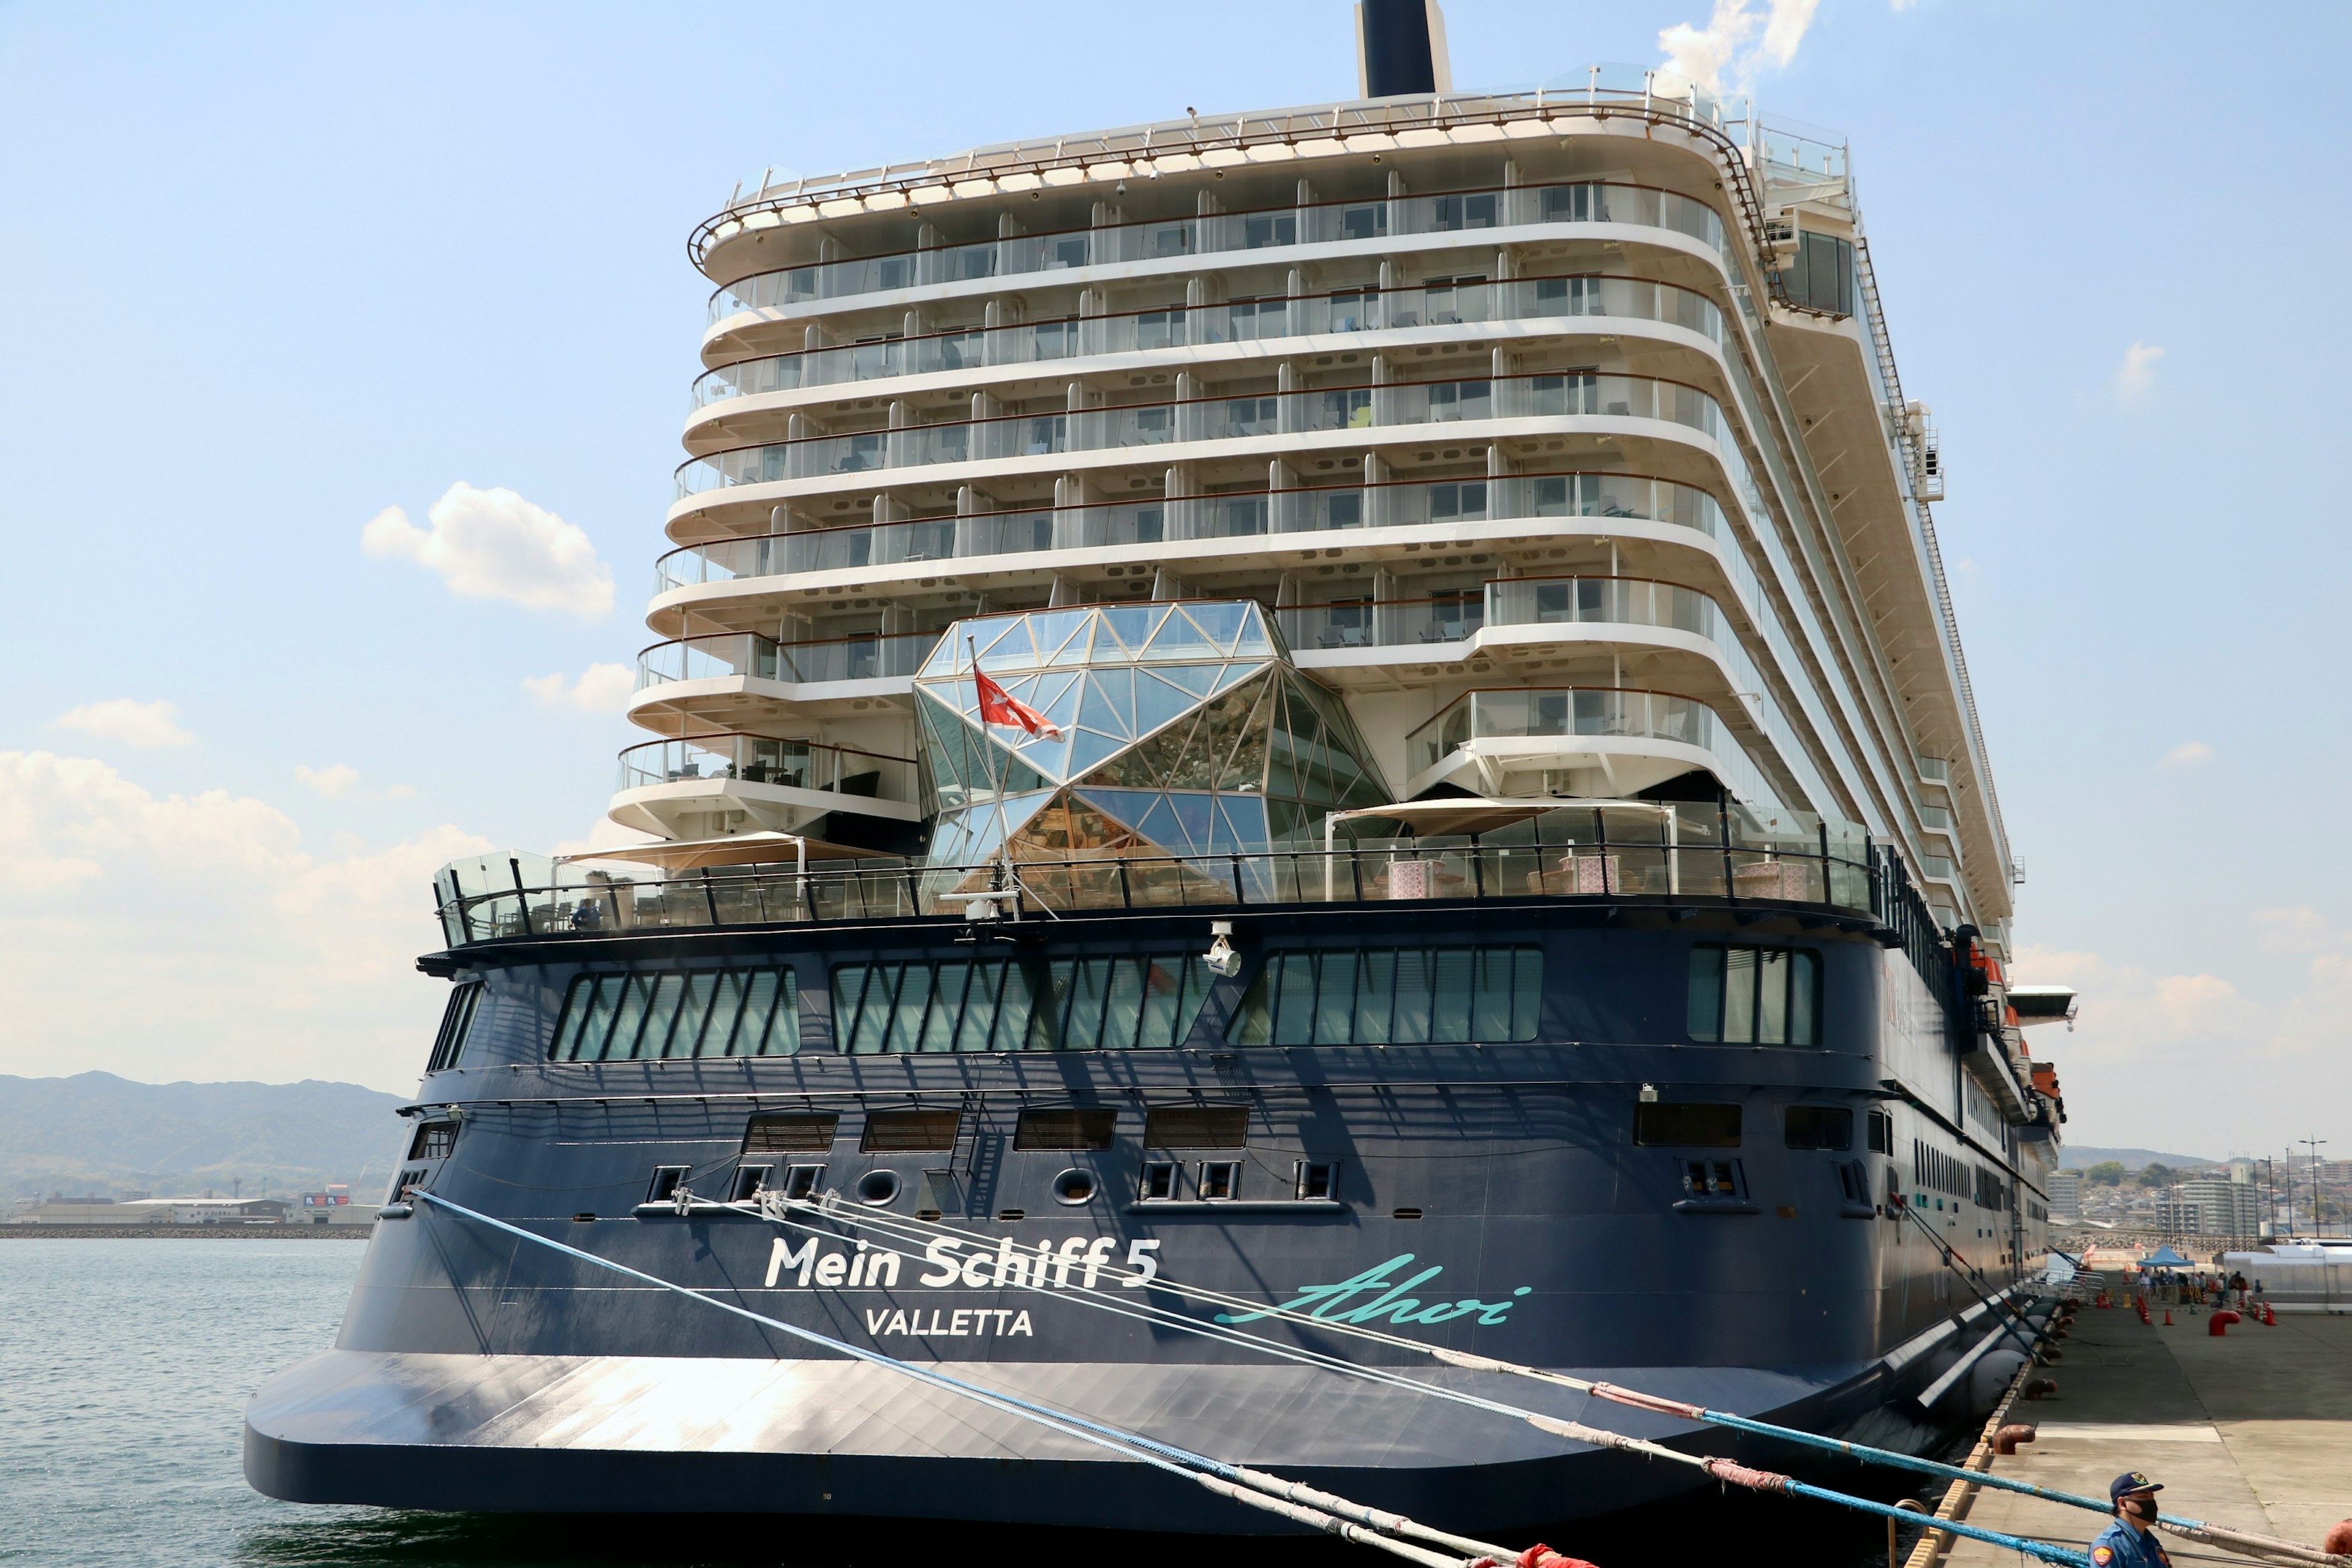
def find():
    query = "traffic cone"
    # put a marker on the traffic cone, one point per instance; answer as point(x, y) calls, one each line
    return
point(2167, 1317)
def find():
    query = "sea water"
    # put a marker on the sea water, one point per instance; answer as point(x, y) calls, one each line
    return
point(125, 1367)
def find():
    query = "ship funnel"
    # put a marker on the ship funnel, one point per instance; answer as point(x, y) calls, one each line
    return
point(1401, 48)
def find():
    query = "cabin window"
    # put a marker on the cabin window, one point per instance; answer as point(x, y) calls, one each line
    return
point(1219, 1180)
point(1196, 1127)
point(909, 1131)
point(644, 1016)
point(809, 1132)
point(1664, 1123)
point(1755, 995)
point(1077, 1128)
point(1393, 996)
point(456, 1019)
point(1818, 1127)
point(434, 1140)
point(1882, 1133)
point(1008, 1005)
point(1159, 1183)
point(1317, 1180)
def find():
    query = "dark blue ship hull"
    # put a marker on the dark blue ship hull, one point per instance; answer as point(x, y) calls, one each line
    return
point(1487, 1196)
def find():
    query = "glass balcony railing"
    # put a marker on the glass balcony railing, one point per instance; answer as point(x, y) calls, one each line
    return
point(1211, 419)
point(1618, 849)
point(761, 760)
point(1366, 220)
point(1238, 320)
point(1582, 710)
point(1158, 521)
point(1504, 602)
point(726, 653)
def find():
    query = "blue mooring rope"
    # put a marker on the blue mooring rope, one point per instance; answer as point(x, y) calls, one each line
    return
point(1182, 1461)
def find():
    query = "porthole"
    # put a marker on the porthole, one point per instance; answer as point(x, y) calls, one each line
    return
point(1074, 1186)
point(877, 1187)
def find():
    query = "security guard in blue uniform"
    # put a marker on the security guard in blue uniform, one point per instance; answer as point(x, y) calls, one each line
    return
point(2130, 1542)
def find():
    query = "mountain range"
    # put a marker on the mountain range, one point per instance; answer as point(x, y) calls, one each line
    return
point(98, 1134)
point(2082, 1157)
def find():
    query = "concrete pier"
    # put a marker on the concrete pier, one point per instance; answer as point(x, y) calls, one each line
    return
point(2252, 1430)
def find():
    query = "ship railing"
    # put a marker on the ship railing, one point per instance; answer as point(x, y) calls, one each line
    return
point(1801, 861)
point(1385, 405)
point(718, 655)
point(1359, 220)
point(1362, 310)
point(764, 759)
point(1340, 625)
point(1158, 520)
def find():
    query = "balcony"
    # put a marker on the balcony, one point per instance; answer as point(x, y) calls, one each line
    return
point(1240, 320)
point(1459, 616)
point(670, 787)
point(1225, 234)
point(1618, 850)
point(729, 654)
point(1578, 741)
point(1157, 521)
point(1134, 425)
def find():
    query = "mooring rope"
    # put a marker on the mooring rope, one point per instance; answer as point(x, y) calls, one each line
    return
point(1722, 1469)
point(1326, 1512)
point(2202, 1530)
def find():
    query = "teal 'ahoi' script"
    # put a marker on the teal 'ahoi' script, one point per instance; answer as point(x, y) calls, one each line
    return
point(1389, 1303)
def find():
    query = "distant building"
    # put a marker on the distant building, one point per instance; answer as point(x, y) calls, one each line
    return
point(2211, 1208)
point(154, 1211)
point(2066, 1196)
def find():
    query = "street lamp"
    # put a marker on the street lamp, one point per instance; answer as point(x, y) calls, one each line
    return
point(2319, 1224)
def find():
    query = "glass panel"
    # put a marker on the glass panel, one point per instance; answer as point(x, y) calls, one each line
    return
point(1123, 1005)
point(1739, 996)
point(1706, 1007)
point(1294, 1000)
point(1772, 996)
point(945, 1014)
point(1804, 988)
point(1089, 982)
point(978, 1023)
point(693, 1009)
point(1412, 986)
point(1375, 996)
point(1450, 1014)
point(772, 1023)
point(914, 1000)
point(1526, 993)
point(1335, 1015)
point(629, 1020)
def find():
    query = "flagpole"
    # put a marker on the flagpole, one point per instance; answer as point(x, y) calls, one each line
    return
point(995, 784)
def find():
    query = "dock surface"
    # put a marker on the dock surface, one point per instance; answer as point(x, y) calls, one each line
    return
point(2252, 1430)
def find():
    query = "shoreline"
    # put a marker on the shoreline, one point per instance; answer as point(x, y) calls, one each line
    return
point(186, 1232)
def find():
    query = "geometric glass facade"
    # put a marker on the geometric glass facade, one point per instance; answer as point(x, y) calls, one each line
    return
point(1185, 731)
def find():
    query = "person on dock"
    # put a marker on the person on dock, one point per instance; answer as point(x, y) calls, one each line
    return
point(2130, 1542)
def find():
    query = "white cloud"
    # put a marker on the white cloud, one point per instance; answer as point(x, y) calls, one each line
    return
point(2136, 377)
point(335, 781)
point(601, 689)
point(2187, 755)
point(493, 545)
point(2195, 1061)
point(146, 725)
point(1719, 56)
point(251, 957)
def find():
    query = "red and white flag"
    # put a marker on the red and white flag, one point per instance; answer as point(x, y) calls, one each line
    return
point(998, 706)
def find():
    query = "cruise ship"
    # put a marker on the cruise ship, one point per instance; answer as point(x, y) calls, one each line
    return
point(1352, 706)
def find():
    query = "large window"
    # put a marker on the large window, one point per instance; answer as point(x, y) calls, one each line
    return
point(456, 1019)
point(701, 1013)
point(1756, 995)
point(1393, 996)
point(1015, 1005)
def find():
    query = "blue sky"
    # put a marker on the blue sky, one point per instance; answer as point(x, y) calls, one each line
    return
point(265, 272)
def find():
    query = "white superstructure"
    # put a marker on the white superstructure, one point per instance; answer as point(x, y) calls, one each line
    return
point(1557, 431)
